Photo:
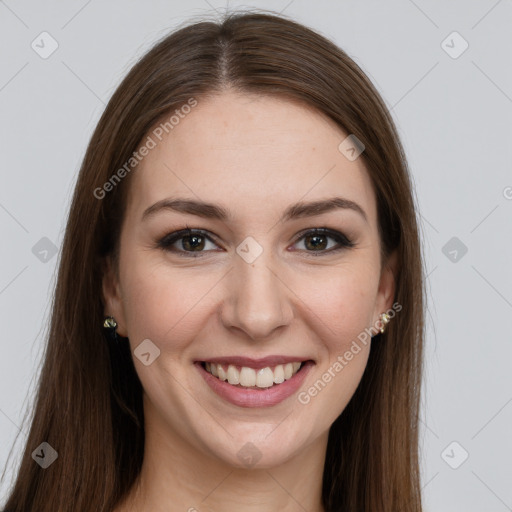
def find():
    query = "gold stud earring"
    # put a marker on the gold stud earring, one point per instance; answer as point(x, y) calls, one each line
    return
point(109, 322)
point(384, 320)
point(110, 326)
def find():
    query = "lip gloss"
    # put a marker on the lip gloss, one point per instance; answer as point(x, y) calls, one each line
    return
point(264, 397)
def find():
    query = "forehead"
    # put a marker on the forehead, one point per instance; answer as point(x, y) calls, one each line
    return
point(246, 151)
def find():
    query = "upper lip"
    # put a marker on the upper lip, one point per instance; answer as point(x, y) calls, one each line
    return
point(257, 364)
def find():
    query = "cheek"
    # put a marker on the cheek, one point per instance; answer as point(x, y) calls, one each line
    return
point(170, 304)
point(341, 309)
point(342, 301)
point(163, 303)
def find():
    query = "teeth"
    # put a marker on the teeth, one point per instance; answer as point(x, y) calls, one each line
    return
point(288, 370)
point(221, 372)
point(279, 374)
point(233, 375)
point(264, 378)
point(249, 377)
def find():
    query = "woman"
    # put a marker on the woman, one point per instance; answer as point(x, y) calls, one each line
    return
point(243, 231)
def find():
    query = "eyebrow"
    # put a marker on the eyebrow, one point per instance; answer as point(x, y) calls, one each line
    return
point(213, 211)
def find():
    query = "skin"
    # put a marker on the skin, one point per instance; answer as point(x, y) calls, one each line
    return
point(254, 155)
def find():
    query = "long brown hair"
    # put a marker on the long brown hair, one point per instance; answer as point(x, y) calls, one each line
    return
point(88, 405)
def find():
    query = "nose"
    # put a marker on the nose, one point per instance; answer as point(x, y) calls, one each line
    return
point(258, 301)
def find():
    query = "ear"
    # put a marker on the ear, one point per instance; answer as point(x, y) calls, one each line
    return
point(112, 297)
point(387, 285)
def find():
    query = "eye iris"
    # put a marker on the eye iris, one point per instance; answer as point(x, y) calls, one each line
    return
point(186, 241)
point(316, 243)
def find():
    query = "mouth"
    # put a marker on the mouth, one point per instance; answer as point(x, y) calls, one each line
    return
point(246, 382)
point(253, 376)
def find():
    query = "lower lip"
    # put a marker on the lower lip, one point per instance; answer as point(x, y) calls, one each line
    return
point(264, 397)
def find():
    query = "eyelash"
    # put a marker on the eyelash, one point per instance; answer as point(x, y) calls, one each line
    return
point(166, 242)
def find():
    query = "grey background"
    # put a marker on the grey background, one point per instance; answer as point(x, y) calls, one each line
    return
point(454, 116)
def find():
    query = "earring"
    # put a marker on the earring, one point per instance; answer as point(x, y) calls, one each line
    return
point(384, 320)
point(110, 326)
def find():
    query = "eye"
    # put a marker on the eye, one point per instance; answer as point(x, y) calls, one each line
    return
point(190, 242)
point(194, 242)
point(316, 241)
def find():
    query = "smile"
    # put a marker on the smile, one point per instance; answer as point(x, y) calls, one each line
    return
point(248, 377)
point(246, 382)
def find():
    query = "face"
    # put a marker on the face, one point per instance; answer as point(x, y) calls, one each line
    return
point(264, 280)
